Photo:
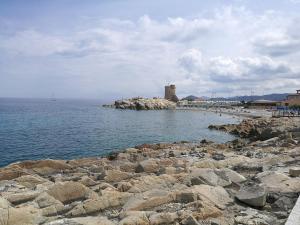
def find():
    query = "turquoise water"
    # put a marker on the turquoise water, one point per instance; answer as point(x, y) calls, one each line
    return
point(66, 129)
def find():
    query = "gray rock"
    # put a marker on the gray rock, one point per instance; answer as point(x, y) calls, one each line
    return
point(210, 177)
point(284, 203)
point(254, 217)
point(148, 166)
point(218, 156)
point(252, 195)
point(22, 197)
point(186, 197)
point(294, 172)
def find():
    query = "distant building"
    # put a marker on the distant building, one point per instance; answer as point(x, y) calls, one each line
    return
point(170, 93)
point(266, 104)
point(206, 104)
point(292, 99)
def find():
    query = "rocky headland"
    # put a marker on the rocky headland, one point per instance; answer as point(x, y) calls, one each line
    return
point(143, 104)
point(253, 180)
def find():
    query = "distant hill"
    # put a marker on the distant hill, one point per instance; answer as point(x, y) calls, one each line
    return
point(271, 97)
point(193, 98)
point(190, 98)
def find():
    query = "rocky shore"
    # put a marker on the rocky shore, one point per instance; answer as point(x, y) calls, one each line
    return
point(143, 104)
point(253, 180)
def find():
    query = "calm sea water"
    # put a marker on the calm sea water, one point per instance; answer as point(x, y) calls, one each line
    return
point(65, 129)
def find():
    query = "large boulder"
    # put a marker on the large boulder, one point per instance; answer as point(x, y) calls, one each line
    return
point(116, 176)
point(218, 196)
point(45, 167)
point(234, 176)
point(70, 191)
point(87, 181)
point(44, 200)
point(149, 200)
point(253, 195)
point(31, 181)
point(149, 182)
point(11, 173)
point(210, 177)
point(109, 199)
point(279, 182)
point(26, 215)
point(147, 166)
point(22, 197)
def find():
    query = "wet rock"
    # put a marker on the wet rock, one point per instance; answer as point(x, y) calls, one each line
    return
point(252, 195)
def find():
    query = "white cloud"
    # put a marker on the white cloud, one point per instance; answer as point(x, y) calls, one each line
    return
point(33, 43)
point(238, 73)
point(230, 50)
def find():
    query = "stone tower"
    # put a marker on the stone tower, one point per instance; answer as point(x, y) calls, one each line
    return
point(170, 93)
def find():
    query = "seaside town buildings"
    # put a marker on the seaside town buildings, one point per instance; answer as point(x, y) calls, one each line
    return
point(193, 101)
point(292, 99)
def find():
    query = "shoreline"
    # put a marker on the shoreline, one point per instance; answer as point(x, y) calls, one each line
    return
point(248, 113)
point(164, 183)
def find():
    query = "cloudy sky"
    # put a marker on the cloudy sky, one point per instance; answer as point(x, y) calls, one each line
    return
point(110, 49)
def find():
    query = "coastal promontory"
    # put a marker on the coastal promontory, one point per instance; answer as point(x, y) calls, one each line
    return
point(140, 103)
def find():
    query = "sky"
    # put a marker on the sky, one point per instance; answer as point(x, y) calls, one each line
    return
point(112, 49)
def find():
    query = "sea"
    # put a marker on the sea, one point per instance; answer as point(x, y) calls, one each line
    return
point(32, 129)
